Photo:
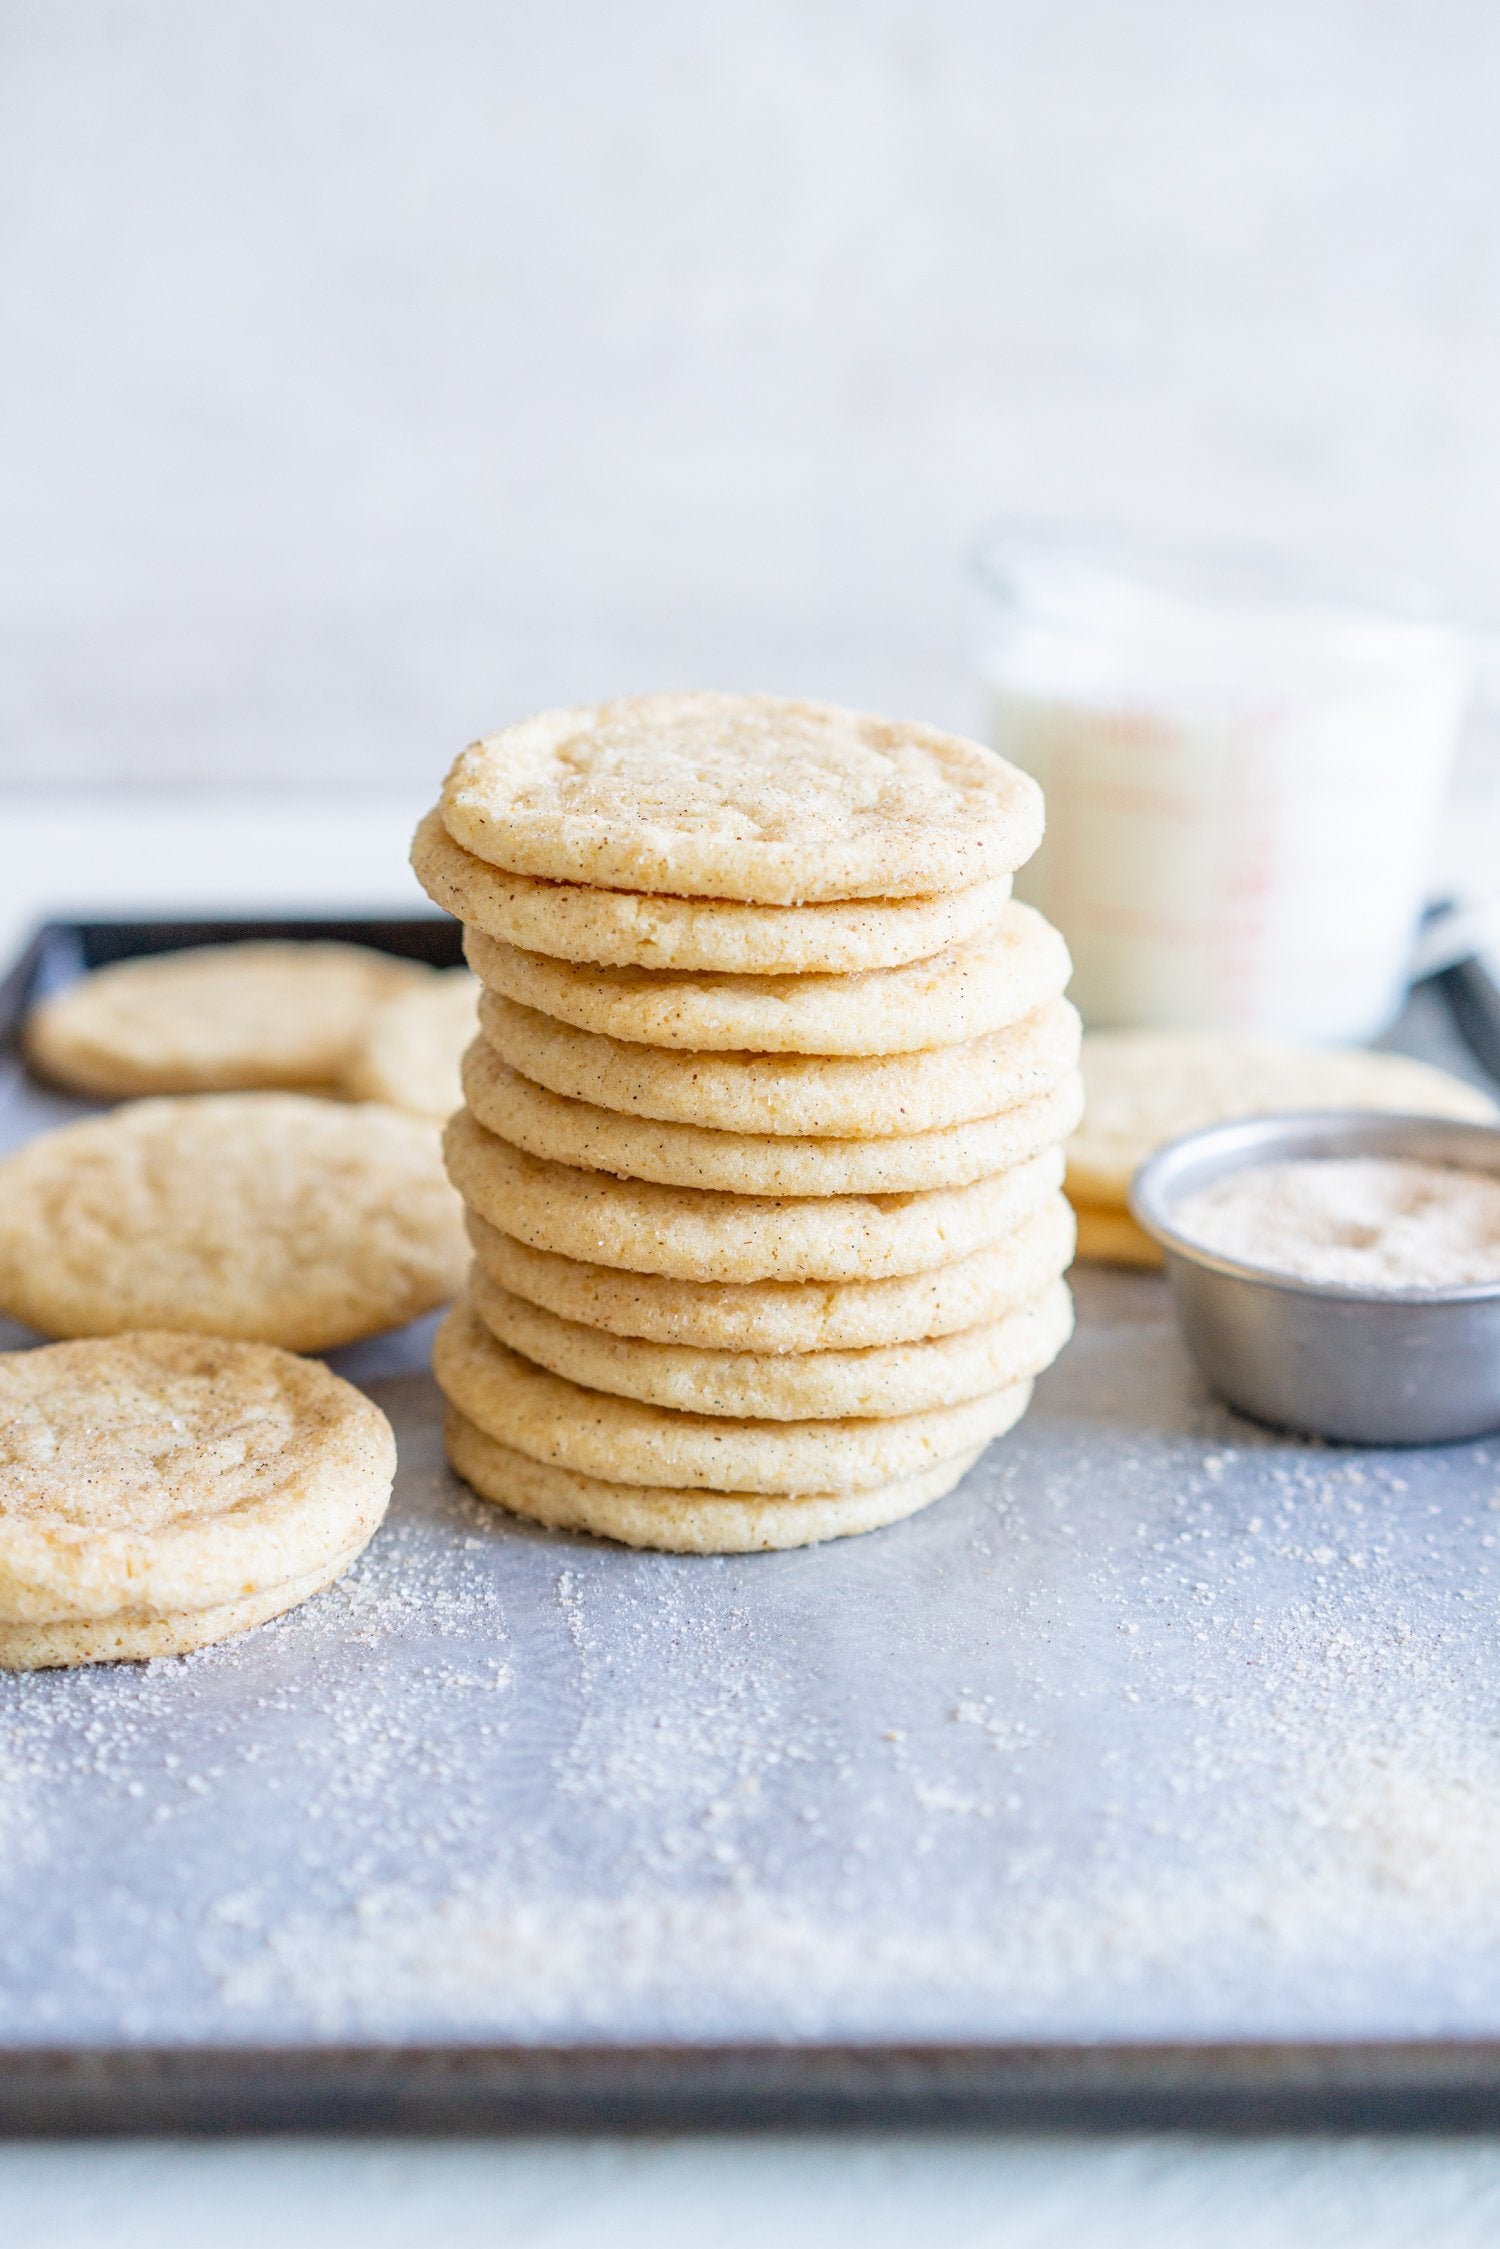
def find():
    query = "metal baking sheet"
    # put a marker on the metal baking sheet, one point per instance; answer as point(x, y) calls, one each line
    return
point(1155, 1773)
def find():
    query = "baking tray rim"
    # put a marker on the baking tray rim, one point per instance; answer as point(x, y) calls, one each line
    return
point(99, 940)
point(1406, 2085)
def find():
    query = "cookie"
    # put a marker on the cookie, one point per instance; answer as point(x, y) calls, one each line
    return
point(621, 1441)
point(1144, 1088)
point(742, 797)
point(682, 1522)
point(785, 1316)
point(796, 1095)
point(636, 929)
point(130, 1638)
point(271, 1216)
point(215, 1018)
point(785, 1386)
point(697, 1234)
point(573, 1132)
point(412, 1044)
point(1112, 1237)
point(158, 1491)
point(984, 983)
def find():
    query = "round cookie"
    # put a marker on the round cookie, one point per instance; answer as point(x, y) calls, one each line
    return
point(271, 1216)
point(137, 1639)
point(787, 1316)
point(161, 1490)
point(412, 1044)
point(741, 796)
point(794, 1095)
point(997, 977)
point(785, 1386)
point(1144, 1088)
point(214, 1018)
point(639, 929)
point(699, 1234)
point(1112, 1237)
point(624, 1442)
point(682, 1522)
point(574, 1132)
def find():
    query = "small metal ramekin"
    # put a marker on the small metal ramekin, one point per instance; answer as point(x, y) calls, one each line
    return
point(1418, 1366)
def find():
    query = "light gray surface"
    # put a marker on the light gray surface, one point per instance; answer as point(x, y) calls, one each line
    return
point(894, 2191)
point(1160, 1726)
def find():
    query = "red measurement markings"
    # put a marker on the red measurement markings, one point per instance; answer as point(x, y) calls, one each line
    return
point(1255, 809)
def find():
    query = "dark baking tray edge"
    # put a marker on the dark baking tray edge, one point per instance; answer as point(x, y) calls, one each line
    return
point(1417, 2086)
point(66, 947)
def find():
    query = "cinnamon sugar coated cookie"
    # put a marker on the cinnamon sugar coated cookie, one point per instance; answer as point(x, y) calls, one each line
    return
point(854, 1097)
point(785, 1385)
point(701, 1234)
point(788, 1316)
point(214, 1018)
point(1143, 1088)
point(683, 1522)
point(742, 797)
point(639, 929)
point(982, 984)
point(160, 1491)
point(271, 1216)
point(622, 1441)
point(412, 1043)
point(1112, 1237)
point(573, 1132)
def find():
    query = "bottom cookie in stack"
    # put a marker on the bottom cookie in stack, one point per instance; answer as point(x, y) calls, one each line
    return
point(684, 1522)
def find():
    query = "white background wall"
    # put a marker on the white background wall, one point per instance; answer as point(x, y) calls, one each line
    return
point(373, 370)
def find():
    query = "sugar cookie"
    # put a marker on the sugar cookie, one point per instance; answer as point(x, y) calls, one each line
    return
point(412, 1044)
point(271, 1216)
point(741, 796)
point(984, 983)
point(214, 1018)
point(853, 1097)
point(574, 1132)
point(785, 1386)
point(622, 1441)
point(788, 1315)
point(158, 1491)
point(699, 1234)
point(683, 1522)
point(1143, 1088)
point(1112, 1237)
point(642, 929)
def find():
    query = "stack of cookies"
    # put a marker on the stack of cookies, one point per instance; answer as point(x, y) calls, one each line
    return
point(762, 1145)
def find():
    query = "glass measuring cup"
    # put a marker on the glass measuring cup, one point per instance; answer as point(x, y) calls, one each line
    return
point(1243, 777)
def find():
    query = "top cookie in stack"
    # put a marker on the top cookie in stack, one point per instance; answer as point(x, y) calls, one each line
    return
point(762, 1145)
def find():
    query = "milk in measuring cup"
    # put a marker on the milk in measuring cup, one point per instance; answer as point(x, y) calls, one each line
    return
point(1241, 797)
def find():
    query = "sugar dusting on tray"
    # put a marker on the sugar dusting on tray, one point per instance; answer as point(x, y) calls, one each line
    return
point(1166, 1727)
point(1374, 1222)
